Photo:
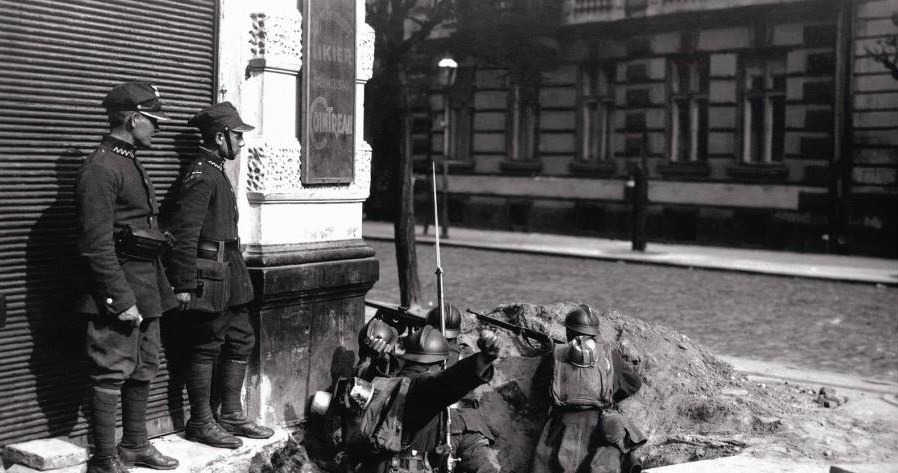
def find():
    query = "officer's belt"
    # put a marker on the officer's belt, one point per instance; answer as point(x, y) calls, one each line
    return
point(216, 250)
point(141, 244)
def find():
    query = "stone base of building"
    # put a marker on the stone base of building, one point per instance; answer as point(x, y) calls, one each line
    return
point(309, 310)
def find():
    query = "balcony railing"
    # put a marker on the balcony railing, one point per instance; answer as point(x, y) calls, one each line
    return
point(588, 11)
point(525, 15)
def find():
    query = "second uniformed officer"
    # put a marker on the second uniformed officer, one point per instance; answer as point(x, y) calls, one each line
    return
point(119, 237)
point(211, 282)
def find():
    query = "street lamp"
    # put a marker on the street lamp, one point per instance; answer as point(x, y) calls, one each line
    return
point(448, 69)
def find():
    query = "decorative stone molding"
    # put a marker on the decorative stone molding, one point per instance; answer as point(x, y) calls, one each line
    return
point(273, 176)
point(365, 51)
point(274, 38)
point(273, 165)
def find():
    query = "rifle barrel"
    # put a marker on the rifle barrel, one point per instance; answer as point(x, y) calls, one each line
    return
point(523, 331)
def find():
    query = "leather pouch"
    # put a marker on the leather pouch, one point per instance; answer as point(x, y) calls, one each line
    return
point(212, 286)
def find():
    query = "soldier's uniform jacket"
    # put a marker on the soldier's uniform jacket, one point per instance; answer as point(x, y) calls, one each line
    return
point(113, 191)
point(206, 211)
point(465, 417)
point(574, 432)
point(428, 394)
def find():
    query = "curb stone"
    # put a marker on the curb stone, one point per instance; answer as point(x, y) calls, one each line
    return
point(17, 468)
point(45, 454)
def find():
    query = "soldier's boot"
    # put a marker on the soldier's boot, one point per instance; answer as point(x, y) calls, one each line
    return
point(202, 427)
point(105, 465)
point(232, 418)
point(135, 448)
point(103, 403)
point(631, 463)
point(606, 459)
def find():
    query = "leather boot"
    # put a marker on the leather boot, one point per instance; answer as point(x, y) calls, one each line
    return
point(211, 434)
point(105, 465)
point(134, 413)
point(238, 424)
point(202, 426)
point(147, 456)
point(103, 403)
point(631, 463)
point(232, 418)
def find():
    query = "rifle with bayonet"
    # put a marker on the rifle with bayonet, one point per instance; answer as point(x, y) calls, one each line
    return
point(446, 447)
point(517, 329)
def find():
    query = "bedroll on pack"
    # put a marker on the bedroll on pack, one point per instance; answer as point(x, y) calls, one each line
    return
point(378, 427)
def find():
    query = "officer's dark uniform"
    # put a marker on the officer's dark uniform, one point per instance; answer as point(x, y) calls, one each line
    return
point(115, 198)
point(204, 224)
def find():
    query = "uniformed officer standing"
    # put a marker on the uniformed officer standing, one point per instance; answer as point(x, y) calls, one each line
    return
point(118, 236)
point(212, 284)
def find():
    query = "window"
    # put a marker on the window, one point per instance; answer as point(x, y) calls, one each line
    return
point(688, 108)
point(523, 119)
point(763, 84)
point(461, 115)
point(596, 112)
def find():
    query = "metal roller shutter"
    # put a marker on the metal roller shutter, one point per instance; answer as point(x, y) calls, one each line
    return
point(60, 58)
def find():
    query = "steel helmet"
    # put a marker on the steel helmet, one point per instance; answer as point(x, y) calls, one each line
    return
point(377, 329)
point(453, 319)
point(582, 321)
point(427, 345)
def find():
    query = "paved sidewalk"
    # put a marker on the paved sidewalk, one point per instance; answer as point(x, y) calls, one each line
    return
point(805, 265)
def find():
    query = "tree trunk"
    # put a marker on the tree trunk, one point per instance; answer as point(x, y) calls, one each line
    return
point(404, 225)
point(392, 155)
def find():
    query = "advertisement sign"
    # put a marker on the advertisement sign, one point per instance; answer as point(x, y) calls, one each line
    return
point(328, 76)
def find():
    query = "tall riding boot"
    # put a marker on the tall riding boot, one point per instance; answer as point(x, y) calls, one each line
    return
point(232, 417)
point(103, 403)
point(202, 426)
point(135, 448)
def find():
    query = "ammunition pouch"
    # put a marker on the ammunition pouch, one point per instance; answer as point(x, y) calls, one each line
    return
point(410, 461)
point(143, 244)
point(213, 288)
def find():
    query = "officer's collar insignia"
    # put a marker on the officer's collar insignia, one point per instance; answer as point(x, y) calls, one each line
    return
point(212, 158)
point(122, 151)
point(216, 165)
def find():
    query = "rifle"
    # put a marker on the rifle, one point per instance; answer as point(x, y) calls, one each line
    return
point(447, 424)
point(522, 331)
point(399, 316)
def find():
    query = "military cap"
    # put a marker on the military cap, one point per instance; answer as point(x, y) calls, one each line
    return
point(219, 116)
point(140, 97)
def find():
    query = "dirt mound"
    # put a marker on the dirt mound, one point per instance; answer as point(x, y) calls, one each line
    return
point(692, 406)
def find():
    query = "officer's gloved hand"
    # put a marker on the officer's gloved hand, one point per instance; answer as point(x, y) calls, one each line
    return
point(131, 315)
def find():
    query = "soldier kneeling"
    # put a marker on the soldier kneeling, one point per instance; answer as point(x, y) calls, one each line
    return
point(584, 432)
point(400, 419)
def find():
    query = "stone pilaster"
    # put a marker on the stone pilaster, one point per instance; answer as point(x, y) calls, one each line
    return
point(310, 266)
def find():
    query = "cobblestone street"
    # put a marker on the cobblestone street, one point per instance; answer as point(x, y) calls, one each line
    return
point(841, 327)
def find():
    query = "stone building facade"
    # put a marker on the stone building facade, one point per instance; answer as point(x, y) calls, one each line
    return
point(302, 240)
point(762, 123)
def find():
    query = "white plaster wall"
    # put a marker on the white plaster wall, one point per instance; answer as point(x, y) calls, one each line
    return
point(283, 210)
